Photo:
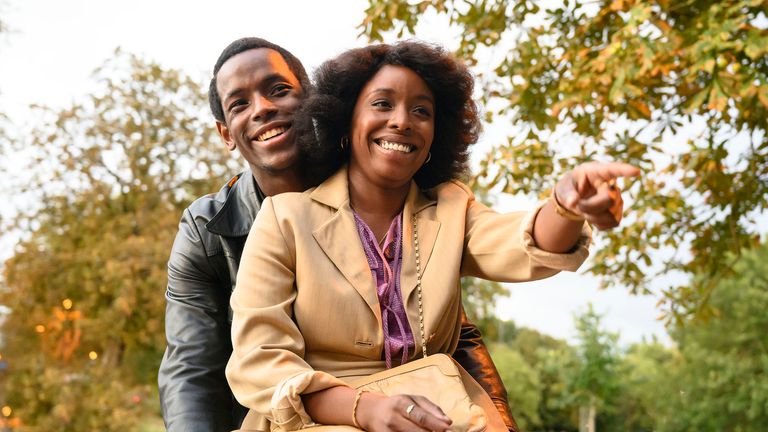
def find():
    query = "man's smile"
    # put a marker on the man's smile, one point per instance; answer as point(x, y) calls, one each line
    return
point(271, 133)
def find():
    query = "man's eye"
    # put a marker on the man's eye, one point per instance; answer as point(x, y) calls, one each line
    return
point(237, 104)
point(280, 89)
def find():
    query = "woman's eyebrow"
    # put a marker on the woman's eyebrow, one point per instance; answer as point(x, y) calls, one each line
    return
point(388, 90)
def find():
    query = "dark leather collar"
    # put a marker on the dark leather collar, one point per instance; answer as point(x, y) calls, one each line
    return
point(242, 202)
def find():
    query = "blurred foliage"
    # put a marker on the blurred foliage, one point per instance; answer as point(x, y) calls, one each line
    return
point(592, 381)
point(107, 181)
point(723, 367)
point(479, 299)
point(713, 378)
point(678, 88)
point(523, 385)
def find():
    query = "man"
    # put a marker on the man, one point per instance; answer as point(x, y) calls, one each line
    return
point(256, 88)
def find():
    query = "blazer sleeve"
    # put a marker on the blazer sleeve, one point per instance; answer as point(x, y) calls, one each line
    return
point(500, 247)
point(267, 372)
point(193, 391)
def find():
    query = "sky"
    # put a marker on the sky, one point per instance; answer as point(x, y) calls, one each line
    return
point(53, 47)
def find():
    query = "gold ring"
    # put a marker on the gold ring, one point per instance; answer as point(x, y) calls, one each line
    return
point(409, 409)
point(612, 184)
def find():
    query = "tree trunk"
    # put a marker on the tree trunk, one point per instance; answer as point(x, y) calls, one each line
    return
point(587, 416)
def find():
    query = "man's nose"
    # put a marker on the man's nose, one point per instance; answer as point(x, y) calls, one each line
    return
point(263, 108)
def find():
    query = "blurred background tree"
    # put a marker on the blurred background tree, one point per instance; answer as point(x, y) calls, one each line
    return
point(678, 88)
point(110, 177)
point(714, 378)
point(723, 362)
point(592, 380)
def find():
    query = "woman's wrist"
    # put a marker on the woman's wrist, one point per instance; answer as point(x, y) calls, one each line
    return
point(560, 209)
point(366, 409)
point(564, 212)
point(355, 404)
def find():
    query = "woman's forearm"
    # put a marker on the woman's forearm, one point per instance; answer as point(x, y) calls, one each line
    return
point(330, 406)
point(555, 233)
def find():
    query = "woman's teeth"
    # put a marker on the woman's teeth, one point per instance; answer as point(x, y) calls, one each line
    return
point(271, 133)
point(387, 145)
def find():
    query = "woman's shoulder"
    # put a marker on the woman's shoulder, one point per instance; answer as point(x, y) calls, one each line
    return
point(290, 201)
point(453, 189)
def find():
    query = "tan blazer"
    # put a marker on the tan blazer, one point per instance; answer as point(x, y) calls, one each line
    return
point(306, 313)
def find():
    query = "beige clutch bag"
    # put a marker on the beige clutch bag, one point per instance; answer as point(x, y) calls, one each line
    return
point(444, 382)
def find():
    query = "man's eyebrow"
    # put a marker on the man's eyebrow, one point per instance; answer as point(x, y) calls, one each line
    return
point(232, 93)
point(269, 79)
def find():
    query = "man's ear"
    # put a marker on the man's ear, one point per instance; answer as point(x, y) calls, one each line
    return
point(226, 138)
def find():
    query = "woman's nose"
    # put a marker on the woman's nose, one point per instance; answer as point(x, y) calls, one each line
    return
point(399, 119)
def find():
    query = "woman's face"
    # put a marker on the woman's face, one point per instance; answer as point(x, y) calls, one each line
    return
point(393, 124)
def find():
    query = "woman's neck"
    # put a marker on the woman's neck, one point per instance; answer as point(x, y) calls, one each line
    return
point(377, 206)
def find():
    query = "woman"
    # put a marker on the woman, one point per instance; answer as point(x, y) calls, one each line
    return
point(327, 287)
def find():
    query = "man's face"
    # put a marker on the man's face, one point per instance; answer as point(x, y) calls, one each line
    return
point(259, 96)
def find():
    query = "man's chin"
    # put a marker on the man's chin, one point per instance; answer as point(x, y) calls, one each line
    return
point(286, 164)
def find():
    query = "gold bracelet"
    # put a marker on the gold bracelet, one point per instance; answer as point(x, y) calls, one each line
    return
point(354, 408)
point(562, 211)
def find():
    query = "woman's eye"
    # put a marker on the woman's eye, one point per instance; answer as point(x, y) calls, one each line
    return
point(423, 111)
point(380, 103)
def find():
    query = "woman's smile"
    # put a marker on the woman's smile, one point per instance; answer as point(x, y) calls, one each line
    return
point(394, 146)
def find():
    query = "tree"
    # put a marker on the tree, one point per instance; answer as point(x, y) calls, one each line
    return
point(677, 88)
point(723, 367)
point(111, 176)
point(553, 360)
point(592, 382)
point(522, 383)
point(645, 386)
point(479, 301)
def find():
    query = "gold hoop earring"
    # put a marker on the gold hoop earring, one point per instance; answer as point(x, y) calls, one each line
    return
point(429, 158)
point(344, 142)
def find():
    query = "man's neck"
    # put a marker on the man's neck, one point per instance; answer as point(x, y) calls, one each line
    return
point(277, 183)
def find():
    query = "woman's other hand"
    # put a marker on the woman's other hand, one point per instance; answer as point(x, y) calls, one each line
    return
point(379, 413)
point(590, 190)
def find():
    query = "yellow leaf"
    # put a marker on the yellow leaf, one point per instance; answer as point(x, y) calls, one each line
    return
point(642, 108)
point(763, 98)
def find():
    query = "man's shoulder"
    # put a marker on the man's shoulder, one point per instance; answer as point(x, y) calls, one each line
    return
point(204, 208)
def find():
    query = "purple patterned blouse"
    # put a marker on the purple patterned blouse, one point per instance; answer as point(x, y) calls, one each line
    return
point(385, 263)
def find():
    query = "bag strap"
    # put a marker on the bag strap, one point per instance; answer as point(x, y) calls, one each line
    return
point(418, 285)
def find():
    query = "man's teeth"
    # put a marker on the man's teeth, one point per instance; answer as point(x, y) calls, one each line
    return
point(387, 145)
point(271, 133)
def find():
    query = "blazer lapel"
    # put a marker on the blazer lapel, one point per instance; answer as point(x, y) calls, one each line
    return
point(428, 230)
point(338, 239)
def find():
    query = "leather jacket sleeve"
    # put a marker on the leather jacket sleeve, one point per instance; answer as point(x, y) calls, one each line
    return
point(194, 394)
point(473, 356)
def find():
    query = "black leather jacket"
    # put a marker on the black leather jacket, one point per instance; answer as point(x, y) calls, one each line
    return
point(202, 270)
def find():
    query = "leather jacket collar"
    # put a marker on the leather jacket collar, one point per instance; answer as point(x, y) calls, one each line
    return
point(242, 200)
